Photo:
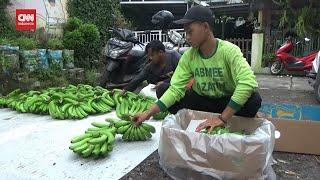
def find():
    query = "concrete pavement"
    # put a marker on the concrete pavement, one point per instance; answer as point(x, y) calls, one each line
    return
point(283, 82)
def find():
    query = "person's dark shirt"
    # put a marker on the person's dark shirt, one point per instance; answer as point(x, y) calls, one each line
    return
point(154, 74)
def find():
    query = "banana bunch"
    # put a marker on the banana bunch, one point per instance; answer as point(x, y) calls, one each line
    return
point(70, 102)
point(102, 103)
point(130, 103)
point(77, 102)
point(97, 141)
point(11, 98)
point(74, 108)
point(220, 130)
point(38, 104)
point(131, 132)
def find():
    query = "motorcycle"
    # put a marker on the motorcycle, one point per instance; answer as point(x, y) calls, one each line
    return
point(163, 19)
point(125, 58)
point(284, 60)
point(125, 55)
point(314, 76)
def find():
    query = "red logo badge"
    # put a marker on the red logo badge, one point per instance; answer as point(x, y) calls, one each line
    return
point(26, 19)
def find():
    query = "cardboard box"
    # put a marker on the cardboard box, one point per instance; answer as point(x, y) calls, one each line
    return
point(297, 136)
point(187, 154)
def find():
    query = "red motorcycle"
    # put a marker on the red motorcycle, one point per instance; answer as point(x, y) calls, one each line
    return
point(284, 60)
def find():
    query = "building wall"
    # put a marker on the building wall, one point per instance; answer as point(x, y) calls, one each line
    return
point(51, 12)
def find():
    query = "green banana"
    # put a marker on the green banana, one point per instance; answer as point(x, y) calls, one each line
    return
point(81, 148)
point(95, 129)
point(118, 110)
point(145, 132)
point(111, 138)
point(127, 133)
point(133, 107)
point(148, 127)
point(137, 108)
point(80, 143)
point(87, 108)
point(139, 134)
point(94, 134)
point(80, 138)
point(98, 140)
point(123, 129)
point(118, 124)
point(96, 107)
point(132, 134)
point(96, 150)
point(112, 121)
point(68, 112)
point(82, 112)
point(66, 106)
point(88, 151)
point(108, 102)
point(78, 115)
point(104, 148)
point(125, 106)
point(99, 124)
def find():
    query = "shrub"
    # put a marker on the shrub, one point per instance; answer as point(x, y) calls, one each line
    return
point(55, 44)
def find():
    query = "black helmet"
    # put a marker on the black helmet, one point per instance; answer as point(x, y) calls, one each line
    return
point(162, 18)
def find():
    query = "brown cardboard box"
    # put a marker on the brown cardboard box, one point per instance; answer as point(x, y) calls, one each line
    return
point(297, 136)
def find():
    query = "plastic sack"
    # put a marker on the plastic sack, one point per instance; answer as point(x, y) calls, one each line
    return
point(10, 49)
point(68, 57)
point(55, 58)
point(149, 91)
point(43, 59)
point(9, 58)
point(191, 155)
point(30, 59)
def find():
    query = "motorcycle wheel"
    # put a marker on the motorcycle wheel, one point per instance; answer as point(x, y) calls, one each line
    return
point(276, 67)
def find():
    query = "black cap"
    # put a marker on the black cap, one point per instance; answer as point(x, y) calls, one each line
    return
point(197, 13)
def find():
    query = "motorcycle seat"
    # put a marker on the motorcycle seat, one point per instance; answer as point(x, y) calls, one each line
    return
point(137, 53)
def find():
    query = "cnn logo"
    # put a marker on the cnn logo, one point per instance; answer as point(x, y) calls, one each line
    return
point(25, 19)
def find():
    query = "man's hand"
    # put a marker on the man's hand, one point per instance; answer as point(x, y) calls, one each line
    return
point(140, 117)
point(210, 123)
point(123, 92)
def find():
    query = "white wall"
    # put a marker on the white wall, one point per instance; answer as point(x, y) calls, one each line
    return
point(53, 13)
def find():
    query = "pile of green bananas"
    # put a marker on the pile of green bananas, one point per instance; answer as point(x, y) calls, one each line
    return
point(71, 102)
point(77, 102)
point(96, 141)
point(131, 132)
point(220, 130)
point(131, 103)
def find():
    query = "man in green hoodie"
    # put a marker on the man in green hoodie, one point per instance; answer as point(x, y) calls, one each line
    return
point(223, 80)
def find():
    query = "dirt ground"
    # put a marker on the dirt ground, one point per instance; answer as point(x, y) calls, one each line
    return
point(289, 165)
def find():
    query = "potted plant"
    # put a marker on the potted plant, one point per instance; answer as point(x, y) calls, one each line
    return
point(28, 52)
point(9, 55)
point(55, 47)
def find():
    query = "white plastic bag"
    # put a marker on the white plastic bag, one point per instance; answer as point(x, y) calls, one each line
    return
point(149, 91)
point(191, 155)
